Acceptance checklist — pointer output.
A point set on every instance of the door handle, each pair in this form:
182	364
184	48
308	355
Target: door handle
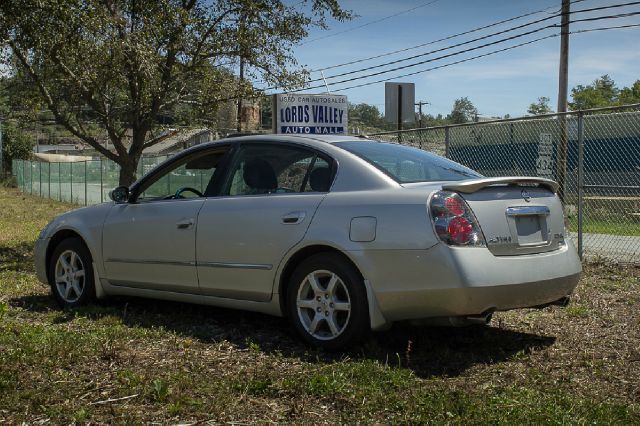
293	218
184	223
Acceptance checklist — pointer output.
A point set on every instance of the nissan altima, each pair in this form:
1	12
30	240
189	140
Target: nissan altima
341	235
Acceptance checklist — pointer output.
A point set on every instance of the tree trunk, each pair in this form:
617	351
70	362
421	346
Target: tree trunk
129	165
128	172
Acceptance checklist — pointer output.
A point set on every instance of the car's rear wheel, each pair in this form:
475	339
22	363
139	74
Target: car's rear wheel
71	274
327	302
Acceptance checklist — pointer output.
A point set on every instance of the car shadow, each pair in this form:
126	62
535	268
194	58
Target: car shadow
427	351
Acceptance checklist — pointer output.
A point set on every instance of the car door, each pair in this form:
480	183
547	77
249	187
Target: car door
263	210
149	242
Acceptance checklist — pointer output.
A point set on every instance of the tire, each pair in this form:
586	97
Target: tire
71	274
328	318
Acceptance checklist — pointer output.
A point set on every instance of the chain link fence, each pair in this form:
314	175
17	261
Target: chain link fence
594	154
81	182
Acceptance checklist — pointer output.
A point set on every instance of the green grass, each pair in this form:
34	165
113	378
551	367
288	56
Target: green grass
613	227
137	361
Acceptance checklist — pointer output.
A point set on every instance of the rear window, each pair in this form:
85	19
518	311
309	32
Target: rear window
406	164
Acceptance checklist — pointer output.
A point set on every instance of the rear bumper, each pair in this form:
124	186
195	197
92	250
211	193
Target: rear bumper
445	281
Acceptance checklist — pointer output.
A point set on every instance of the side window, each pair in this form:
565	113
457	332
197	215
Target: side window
187	176
272	169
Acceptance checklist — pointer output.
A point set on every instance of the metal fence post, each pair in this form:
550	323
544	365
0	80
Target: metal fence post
30	177
40	177
446	142
580	182
85	183
101	179
49	179
71	181
60	181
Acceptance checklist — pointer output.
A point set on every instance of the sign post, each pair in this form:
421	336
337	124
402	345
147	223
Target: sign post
544	162
301	113
399	103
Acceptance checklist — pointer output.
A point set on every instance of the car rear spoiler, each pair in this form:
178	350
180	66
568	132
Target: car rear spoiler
473	185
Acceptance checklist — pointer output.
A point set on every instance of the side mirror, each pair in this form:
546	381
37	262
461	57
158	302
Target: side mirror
120	194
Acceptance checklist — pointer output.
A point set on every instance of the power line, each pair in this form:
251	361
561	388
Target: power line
461	51
370	22
484	55
454	63
442	39
460	44
438	40
473	41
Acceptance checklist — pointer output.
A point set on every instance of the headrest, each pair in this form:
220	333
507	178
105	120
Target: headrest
320	179
258	174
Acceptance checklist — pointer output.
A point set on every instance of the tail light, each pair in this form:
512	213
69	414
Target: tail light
453	220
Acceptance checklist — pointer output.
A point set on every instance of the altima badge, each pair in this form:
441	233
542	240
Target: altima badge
526	196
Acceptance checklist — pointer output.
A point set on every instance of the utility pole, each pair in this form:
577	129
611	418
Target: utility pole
563	76
419	104
399	109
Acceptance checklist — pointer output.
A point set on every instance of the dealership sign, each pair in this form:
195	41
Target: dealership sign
301	113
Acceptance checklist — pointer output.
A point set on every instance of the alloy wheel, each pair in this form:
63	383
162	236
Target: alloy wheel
323	304
69	276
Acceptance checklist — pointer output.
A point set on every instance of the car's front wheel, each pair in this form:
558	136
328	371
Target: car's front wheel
71	274
327	302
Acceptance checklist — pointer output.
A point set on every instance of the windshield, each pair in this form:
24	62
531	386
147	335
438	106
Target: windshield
406	164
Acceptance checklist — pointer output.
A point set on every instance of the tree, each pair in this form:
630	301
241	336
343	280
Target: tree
463	111
630	95
601	93
124	62
16	145
366	115
540	107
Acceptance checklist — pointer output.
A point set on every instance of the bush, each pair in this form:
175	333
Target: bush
16	145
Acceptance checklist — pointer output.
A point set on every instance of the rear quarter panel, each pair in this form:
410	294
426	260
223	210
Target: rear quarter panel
402	221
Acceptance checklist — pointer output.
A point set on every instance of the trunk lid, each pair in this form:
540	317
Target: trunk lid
517	215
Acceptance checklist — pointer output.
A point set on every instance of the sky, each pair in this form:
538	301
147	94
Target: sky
503	83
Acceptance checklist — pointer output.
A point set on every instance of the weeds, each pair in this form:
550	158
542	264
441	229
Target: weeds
142	361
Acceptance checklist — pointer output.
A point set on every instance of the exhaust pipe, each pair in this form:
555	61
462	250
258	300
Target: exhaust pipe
479	319
462	321
482	319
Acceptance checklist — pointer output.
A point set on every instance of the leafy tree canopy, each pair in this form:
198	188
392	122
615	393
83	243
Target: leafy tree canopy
540	107
125	62
463	111
603	92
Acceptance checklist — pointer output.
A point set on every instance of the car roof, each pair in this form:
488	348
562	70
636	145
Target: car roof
308	139
317	141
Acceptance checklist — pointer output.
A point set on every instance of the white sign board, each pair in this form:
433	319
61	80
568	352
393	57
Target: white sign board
544	162
301	113
400	96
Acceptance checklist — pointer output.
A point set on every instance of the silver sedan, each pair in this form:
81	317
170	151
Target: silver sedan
341	235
